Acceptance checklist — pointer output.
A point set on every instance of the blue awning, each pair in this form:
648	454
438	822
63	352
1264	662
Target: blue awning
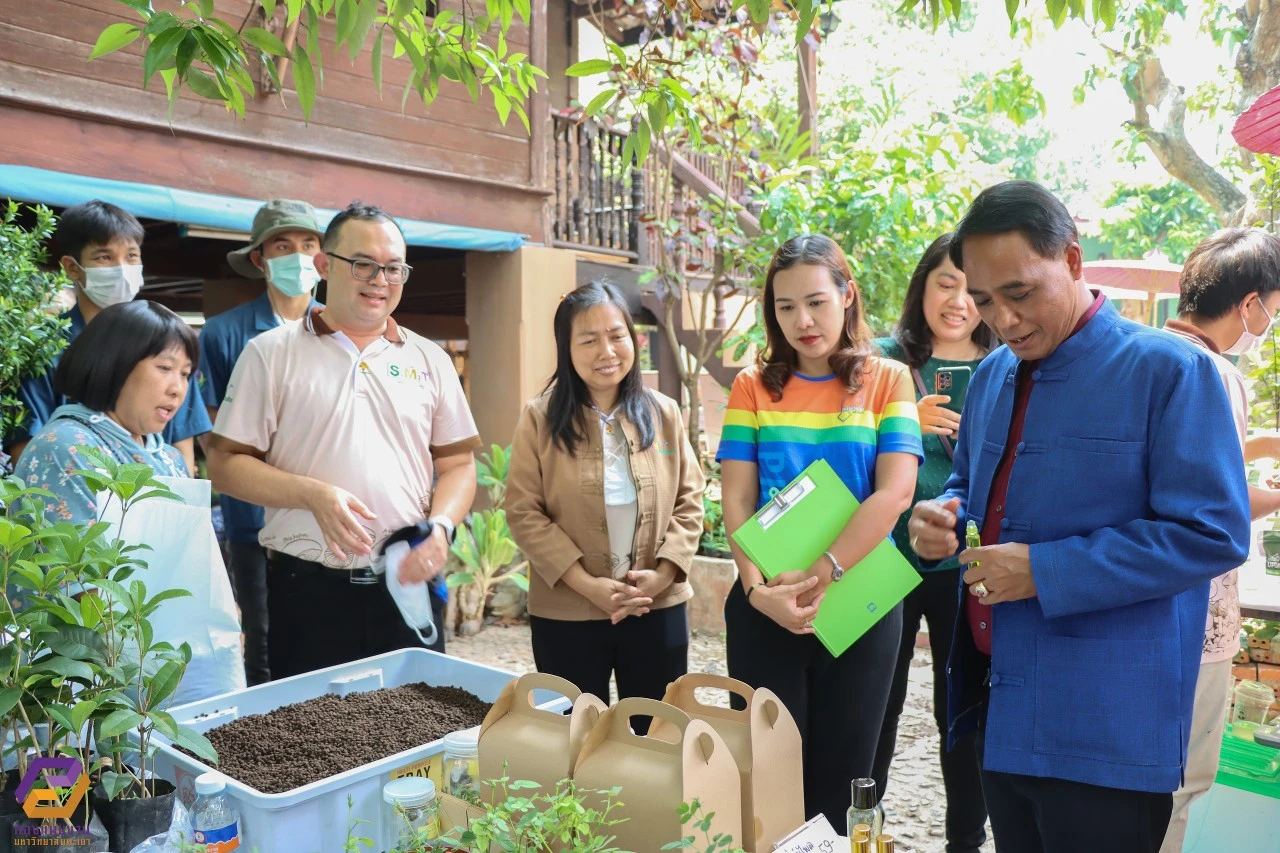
151	201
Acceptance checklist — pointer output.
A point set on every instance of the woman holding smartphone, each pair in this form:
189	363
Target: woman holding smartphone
604	497
817	392
942	340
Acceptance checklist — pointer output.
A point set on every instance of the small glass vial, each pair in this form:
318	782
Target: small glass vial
411	815
462	764
884	844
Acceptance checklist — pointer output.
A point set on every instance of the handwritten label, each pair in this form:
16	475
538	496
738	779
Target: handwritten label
816	836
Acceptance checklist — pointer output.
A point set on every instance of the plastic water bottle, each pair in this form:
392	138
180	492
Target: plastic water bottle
216	821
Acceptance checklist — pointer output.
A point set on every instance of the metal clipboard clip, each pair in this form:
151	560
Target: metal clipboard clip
784	501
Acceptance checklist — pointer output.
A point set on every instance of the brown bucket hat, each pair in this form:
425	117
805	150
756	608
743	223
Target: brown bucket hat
274	217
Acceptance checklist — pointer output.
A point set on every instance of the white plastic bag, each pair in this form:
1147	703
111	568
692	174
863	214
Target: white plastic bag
413	599
184	555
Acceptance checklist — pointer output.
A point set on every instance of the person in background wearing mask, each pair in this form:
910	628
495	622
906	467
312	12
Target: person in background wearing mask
102	255
282	249
1230	286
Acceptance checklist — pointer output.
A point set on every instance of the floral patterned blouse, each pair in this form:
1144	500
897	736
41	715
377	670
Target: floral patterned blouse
52	455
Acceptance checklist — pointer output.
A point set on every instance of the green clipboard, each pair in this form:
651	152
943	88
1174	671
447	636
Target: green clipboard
793	530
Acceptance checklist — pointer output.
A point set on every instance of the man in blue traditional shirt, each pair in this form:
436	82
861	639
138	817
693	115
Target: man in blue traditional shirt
282	248
1099	459
102	255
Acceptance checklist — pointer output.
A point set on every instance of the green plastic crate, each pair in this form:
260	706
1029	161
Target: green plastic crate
1249	766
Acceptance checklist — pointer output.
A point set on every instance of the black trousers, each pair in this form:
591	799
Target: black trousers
318	618
1034	815
645	653
249	579
937	600
838	703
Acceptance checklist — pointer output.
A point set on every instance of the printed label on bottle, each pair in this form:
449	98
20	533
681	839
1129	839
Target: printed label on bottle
219	840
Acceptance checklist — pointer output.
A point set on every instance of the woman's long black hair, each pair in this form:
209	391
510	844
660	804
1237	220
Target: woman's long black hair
913	333
570	398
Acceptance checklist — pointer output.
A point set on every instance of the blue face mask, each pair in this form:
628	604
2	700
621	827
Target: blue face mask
293	275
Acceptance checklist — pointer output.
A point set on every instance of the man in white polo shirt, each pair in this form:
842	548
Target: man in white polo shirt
339	425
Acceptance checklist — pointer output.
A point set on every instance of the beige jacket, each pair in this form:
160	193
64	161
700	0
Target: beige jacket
555	507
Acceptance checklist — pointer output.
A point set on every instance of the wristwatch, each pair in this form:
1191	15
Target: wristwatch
450	532
836	571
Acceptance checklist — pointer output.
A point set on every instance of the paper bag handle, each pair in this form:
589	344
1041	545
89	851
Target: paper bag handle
683	688
529	682
638	707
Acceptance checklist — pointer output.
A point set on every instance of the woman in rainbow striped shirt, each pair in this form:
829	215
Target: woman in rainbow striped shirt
817	392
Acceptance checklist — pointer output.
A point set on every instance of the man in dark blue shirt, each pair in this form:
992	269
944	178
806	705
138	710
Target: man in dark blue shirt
102	255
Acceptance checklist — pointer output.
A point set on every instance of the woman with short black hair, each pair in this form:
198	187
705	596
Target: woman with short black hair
125	376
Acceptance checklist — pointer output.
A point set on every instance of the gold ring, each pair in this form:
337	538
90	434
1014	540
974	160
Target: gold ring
980	589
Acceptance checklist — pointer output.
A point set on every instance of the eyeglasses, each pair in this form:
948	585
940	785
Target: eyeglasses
363	269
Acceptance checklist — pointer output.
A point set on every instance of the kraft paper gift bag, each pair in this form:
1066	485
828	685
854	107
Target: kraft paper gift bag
765	743
657	775
534	745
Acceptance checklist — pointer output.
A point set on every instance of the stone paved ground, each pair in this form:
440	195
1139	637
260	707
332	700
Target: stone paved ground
916	804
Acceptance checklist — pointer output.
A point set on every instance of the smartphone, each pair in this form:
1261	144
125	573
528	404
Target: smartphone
954	382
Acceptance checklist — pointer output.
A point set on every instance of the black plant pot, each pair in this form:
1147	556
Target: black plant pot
131	820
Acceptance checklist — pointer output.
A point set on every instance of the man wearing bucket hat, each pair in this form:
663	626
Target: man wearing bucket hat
281	249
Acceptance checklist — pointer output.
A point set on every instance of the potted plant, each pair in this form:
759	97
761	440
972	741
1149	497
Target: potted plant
486	558
1264	418
713	572
81	667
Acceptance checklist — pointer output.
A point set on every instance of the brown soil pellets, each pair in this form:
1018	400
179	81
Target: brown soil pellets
295	745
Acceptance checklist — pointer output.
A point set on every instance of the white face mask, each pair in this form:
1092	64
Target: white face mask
293	275
107	286
1248	340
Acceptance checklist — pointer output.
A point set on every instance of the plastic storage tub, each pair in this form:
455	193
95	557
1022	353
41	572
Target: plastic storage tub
1241	812
315	817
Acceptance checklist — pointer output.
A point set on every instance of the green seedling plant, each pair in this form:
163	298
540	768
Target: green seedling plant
692	816
78	654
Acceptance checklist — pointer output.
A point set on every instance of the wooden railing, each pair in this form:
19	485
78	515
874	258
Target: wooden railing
600	202
598	198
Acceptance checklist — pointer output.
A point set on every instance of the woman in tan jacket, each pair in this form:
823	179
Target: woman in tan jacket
604	497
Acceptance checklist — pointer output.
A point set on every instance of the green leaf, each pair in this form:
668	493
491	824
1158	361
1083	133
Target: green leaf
186	53
458	579
9	697
376	60
193	741
598	102
265	41
160	52
502	104
642	143
587	67
164	683
304	80
759	11
79	643
365	18
1057	10
81	713
65	667
119	722
294	8
206	8
269	6
113	38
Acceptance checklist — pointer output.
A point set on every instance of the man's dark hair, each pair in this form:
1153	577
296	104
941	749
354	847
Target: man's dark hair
1225	268
359	211
96	222
96	364
1022	206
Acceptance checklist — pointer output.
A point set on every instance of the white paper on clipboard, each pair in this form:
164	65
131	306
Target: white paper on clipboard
784	501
